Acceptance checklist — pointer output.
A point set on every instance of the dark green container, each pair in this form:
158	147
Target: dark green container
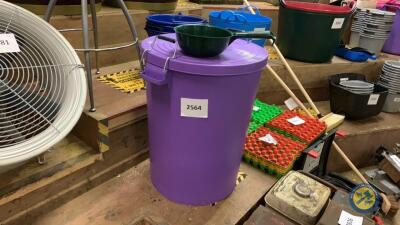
306	31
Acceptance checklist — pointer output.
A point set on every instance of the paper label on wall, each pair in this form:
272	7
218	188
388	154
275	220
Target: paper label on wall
268	139
373	99
396	99
291	104
256	108
196	108
8	43
349	219
337	23
296	120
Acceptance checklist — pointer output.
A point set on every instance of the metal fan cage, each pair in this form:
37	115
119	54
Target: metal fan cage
42	87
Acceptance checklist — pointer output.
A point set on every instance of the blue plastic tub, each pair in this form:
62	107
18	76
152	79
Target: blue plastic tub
160	29
151	32
241	20
173	19
165	23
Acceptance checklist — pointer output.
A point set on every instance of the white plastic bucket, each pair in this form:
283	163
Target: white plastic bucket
392	103
354	39
372	42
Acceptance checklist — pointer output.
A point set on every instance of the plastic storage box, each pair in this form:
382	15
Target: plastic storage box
299	197
355	106
157	24
241	20
262	113
311	32
272	158
307	132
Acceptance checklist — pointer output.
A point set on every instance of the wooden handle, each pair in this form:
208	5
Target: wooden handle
294	77
287	89
386	205
348	161
248	5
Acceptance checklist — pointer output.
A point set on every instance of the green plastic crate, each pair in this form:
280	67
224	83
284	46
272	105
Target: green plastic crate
262	114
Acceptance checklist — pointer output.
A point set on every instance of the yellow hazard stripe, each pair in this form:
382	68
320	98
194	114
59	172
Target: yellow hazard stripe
103	138
127	81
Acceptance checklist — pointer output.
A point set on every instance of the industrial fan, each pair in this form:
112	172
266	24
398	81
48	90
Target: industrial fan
42	86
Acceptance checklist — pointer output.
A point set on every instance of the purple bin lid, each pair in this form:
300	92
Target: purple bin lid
241	57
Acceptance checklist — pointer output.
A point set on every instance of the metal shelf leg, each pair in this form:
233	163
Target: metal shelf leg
132	28
88	66
49	10
95	34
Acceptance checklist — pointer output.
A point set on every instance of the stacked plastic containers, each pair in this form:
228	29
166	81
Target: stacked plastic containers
157	24
241	20
272	158
356	27
390	78
274	144
262	114
376	30
306	132
299	22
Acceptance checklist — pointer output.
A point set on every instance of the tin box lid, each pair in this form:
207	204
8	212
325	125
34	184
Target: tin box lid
241	57
298	196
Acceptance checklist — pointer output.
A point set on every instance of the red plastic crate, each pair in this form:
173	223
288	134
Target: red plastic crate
306	132
279	158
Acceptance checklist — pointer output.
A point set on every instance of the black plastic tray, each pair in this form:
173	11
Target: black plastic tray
354	106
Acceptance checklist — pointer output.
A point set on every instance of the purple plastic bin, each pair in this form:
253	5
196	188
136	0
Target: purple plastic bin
198	113
392	44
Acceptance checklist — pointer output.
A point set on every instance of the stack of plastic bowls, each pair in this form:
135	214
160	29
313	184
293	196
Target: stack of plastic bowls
157	24
376	29
390	78
357	86
356	27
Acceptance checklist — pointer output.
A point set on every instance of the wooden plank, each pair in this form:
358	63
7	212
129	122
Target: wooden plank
114	109
87	129
129	148
69	151
131	196
72	186
34	177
